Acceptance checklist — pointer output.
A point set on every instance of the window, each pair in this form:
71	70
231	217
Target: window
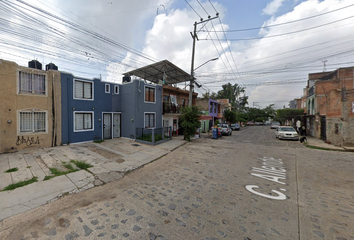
83	121
107	88
149	94
31	83
31	121
149	120
116	89
83	90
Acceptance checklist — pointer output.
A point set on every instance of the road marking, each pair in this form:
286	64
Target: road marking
272	170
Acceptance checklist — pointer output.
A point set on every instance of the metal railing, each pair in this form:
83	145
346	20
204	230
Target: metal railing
153	136
169	108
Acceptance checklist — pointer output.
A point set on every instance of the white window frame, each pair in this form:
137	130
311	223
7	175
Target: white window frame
32	84
154	102
31	114
109	88
154	119
92	90
83	112
116	89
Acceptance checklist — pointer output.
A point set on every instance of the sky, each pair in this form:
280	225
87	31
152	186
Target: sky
267	47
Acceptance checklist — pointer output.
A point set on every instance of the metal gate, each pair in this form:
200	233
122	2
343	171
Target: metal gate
323	128
107	130
116	125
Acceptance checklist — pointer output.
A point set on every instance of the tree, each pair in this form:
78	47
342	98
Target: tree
207	95
230	116
288	114
189	120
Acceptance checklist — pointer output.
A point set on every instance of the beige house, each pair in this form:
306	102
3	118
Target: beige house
30	106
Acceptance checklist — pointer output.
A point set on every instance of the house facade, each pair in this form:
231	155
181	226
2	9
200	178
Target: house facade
174	99
30	106
334	107
328	104
211	112
95	110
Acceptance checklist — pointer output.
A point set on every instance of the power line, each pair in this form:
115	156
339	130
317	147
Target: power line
280	24
288	33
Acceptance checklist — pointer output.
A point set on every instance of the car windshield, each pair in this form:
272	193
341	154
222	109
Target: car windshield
287	129
275	123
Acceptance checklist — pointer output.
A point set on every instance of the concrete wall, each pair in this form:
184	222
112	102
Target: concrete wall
12	102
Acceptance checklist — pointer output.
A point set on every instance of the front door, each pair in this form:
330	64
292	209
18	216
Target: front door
116	125
107	130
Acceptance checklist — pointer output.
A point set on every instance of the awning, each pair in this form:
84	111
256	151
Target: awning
205	117
159	71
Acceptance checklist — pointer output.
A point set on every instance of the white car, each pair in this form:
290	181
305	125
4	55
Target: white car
286	132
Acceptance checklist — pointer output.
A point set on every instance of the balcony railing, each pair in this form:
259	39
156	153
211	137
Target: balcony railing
169	108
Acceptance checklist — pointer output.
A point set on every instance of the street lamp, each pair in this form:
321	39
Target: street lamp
192	80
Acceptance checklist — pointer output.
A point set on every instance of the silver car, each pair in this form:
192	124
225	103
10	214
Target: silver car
286	132
225	129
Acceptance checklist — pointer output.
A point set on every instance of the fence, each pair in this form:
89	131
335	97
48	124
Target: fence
153	136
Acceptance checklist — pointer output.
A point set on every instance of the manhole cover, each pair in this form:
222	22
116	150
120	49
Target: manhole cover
136	145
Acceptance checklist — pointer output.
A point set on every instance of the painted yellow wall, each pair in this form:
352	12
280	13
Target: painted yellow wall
11	102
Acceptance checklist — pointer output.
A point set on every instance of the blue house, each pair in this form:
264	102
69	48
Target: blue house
94	110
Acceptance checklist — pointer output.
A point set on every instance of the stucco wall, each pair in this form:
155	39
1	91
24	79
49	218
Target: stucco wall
134	107
102	102
12	102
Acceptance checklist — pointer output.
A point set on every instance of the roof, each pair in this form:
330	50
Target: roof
155	73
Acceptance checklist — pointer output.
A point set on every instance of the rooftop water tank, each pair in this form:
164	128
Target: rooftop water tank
51	66
35	64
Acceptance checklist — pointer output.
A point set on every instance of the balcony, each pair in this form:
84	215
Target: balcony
169	108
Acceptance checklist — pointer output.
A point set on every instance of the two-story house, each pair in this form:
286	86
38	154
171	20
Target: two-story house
330	104
93	109
30	106
173	98
212	111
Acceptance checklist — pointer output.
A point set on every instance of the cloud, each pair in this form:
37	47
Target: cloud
273	7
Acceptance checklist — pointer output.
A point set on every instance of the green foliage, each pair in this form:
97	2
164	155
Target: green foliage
146	137
216	122
81	164
230	116
20	184
12	170
56	172
189	120
287	114
98	141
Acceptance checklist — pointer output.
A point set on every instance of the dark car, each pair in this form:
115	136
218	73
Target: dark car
235	127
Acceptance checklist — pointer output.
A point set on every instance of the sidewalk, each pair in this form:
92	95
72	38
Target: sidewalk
315	142
111	160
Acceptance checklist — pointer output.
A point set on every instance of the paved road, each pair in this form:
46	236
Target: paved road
246	186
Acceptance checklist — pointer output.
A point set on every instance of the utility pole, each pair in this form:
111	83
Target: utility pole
324	65
194	36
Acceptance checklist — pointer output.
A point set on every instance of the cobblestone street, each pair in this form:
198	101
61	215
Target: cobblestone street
199	192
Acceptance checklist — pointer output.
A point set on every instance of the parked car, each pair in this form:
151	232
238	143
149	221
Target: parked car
286	132
275	125
249	123
225	129
235	127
